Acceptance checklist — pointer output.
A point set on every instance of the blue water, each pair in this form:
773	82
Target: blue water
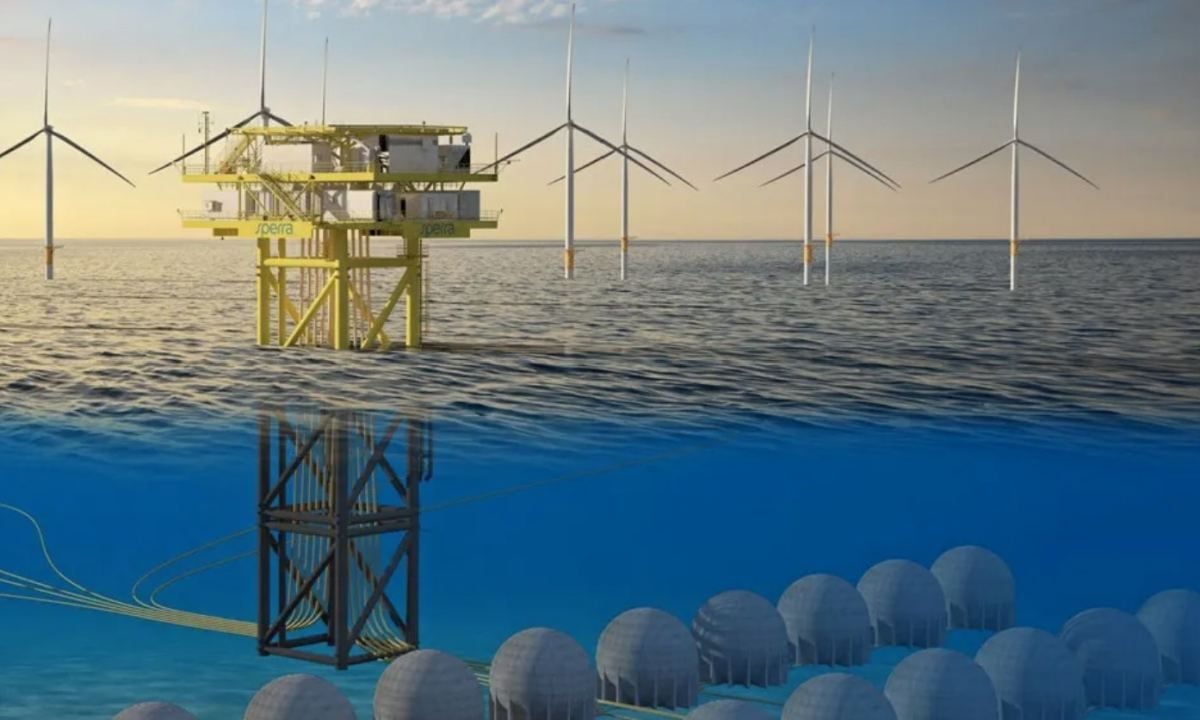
709	425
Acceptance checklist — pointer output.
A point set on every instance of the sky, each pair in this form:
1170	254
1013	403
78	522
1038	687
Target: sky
1111	87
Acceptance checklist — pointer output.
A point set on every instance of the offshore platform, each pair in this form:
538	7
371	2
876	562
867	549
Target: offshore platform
315	197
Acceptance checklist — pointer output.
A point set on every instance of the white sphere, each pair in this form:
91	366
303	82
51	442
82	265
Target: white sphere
979	588
838	696
742	640
940	684
1035	675
299	697
1173	618
906	602
1121	664
428	684
154	711
648	658
827	622
544	674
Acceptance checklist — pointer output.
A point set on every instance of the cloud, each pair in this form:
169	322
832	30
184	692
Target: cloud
160	103
496	12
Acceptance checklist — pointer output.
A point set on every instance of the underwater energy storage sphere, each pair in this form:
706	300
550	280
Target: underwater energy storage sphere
154	711
742	640
827	622
1173	619
838	696
299	697
1121	664
428	684
906	603
1035	675
728	710
648	658
542	674
940	684
979	589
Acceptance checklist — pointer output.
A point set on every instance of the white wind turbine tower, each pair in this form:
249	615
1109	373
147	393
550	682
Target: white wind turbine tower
51	134
571	126
263	113
831	154
807	136
626	150
1016	144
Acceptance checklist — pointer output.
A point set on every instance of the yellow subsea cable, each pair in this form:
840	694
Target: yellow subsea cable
154	611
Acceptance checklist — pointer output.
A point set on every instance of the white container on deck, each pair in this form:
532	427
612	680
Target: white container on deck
409	154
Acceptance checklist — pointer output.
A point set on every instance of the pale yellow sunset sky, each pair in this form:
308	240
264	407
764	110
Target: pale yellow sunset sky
1112	87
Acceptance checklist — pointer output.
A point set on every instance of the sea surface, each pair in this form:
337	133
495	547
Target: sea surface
709	424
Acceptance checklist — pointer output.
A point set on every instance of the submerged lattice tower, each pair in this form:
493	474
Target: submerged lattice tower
154	711
1173	619
838	696
428	684
542	674
940	684
339	500
729	710
1035	675
648	658
299	697
827	622
979	588
742	640
338	213
1121	664
906	603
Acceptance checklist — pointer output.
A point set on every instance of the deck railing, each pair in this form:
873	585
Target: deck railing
248	168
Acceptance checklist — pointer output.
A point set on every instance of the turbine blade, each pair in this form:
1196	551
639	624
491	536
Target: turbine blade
844	151
979	159
610	146
764	156
673	174
22	144
793	171
325	80
262	63
523	148
95	159
866	171
1017	98
46	96
570	63
216	138
1057	162
278	119
583	167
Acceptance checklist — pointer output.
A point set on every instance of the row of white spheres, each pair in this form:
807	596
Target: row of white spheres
646	657
291	697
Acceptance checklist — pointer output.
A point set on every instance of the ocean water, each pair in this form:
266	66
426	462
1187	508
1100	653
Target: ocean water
710	424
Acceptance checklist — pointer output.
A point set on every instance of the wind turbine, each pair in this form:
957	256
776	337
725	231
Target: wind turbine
1016	144
807	136
263	113
48	130
831	154
571	127
626	149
